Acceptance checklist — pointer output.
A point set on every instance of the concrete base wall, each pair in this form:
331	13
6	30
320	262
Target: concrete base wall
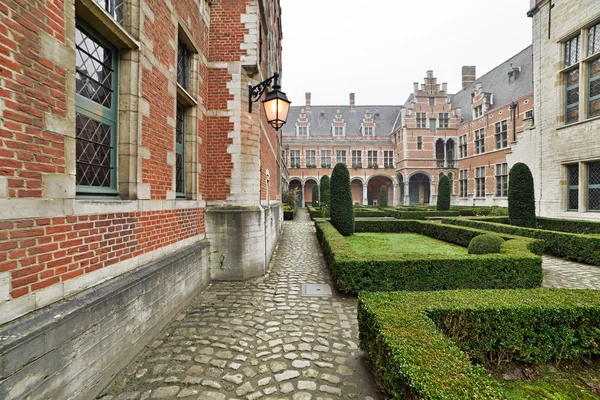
73	348
242	240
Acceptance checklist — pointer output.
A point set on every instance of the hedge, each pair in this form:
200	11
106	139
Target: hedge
341	209
443	198
486	244
383	196
414	340
314	212
515	267
289	215
582	248
568	225
366	213
521	198
422	214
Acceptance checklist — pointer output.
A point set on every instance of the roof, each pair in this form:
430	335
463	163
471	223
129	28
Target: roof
496	82
321	118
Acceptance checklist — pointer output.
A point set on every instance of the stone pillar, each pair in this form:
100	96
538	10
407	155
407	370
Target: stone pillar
365	199
445	155
406	193
303	196
432	196
396	194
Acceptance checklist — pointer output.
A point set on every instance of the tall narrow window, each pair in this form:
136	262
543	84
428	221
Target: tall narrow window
572	80
356	159
573	189
594	40
114	8
183	65
502	180
463	182
325	158
180	152
311	158
480	182
295	159
444	120
594	88
432	101
593	186
421	120
501	135
479	141
372	158
419	142
462	146
478	111
388	159
96	114
572	51
432	128
340	156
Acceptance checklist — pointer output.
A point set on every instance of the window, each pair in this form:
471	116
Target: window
432	125
180	152
479	141
594	40
372	158
96	114
338	131
478	111
311	158
421	120
325	158
501	135
294	158
340	156
463	182
432	101
183	65
594	87
419	142
572	93
501	180
302	130
573	188
480	182
356	158
593	187
114	8
388	159
572	51
444	120
462	146
368	130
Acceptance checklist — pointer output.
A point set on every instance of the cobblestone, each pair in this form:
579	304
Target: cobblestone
259	339
561	273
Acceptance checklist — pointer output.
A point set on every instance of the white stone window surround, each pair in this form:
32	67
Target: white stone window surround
303	130
338	130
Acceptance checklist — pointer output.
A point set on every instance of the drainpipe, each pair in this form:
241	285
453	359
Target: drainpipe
513	107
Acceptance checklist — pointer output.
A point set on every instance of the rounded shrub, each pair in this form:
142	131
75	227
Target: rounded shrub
315	195
324	195
443	198
341	209
521	197
383	196
485	244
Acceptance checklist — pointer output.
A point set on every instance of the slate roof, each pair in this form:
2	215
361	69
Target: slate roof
321	118
496	82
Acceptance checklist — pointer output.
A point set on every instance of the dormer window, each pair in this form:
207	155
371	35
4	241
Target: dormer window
368	131
302	130
478	111
338	131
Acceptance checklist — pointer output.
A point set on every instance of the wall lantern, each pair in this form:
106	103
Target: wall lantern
276	103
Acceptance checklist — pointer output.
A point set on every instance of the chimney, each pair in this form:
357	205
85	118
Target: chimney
469	75
445	87
307	94
416	85
352	102
430	74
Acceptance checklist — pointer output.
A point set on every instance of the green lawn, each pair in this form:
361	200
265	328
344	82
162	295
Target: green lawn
374	244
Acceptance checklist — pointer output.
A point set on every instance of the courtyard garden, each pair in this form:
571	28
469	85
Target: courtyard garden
453	310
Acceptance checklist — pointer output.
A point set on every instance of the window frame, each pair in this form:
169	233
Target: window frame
501	180
97	112
480	182
372	158
463	146
501	134
338	157
295	155
444	120
356	158
336	129
571	187
368	129
180	149
432	125
388	158
421	120
325	155
590	187
463	179
479	141
308	157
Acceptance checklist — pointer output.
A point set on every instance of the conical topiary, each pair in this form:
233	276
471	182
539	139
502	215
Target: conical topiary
443	198
324	195
315	195
342	212
383	196
521	196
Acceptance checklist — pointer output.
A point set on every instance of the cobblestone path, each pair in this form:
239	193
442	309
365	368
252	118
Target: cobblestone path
561	273
258	339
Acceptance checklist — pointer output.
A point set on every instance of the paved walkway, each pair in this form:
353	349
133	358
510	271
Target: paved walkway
263	339
258	339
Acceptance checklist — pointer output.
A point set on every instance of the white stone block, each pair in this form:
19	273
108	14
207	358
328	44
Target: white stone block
4	286
49	295
58	186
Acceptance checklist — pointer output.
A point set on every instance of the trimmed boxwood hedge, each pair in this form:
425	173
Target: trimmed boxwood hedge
485	244
582	248
366	213
414	340
341	209
289	215
568	225
515	267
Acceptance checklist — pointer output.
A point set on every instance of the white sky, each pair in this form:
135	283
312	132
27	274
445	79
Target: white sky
378	48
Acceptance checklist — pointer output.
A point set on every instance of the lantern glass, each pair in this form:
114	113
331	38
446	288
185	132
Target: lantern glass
277	107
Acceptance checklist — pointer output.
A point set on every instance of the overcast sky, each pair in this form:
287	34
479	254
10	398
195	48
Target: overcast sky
378	48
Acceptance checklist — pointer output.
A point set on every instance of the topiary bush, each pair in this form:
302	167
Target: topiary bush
443	198
383	196
315	195
324	195
485	244
341	209
521	197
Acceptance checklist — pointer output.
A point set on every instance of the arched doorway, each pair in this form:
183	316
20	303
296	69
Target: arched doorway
419	189
450	161
295	184
308	189
400	180
357	191
374	187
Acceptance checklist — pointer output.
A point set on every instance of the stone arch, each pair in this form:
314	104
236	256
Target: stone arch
357	185
419	187
440	152
374	185
450	153
309	183
296	183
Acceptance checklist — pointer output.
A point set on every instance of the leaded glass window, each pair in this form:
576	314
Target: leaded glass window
501	180
340	156
419	142
463	182
180	151
480	182
572	51
572	106
183	65
462	146
573	189
96	114
594	40
594	89
421	120
311	156
114	7
479	141
593	192
444	120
